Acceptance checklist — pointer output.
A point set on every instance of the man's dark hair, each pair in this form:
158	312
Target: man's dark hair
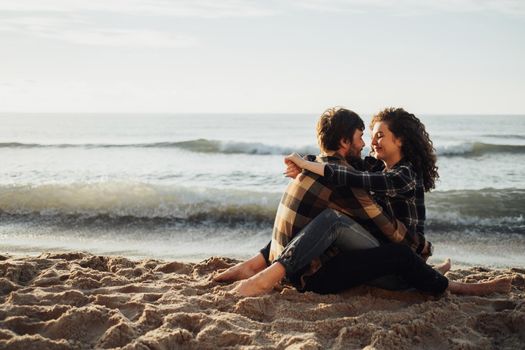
336	124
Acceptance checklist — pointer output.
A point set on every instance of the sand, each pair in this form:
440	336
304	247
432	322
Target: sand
82	301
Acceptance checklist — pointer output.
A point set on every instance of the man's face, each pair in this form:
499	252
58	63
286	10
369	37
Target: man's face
357	144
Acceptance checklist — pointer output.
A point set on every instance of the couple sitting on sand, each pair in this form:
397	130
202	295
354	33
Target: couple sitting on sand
345	221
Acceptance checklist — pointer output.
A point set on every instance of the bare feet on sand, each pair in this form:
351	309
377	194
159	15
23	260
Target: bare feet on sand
242	270
444	267
261	283
500	285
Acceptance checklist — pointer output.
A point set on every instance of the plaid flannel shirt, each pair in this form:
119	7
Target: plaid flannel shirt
398	190
309	194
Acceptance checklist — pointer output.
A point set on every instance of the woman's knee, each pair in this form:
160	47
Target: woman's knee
402	252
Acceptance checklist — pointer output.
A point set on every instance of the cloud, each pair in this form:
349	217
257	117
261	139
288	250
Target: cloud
257	8
116	23
131	23
414	7
82	31
88	96
177	8
125	38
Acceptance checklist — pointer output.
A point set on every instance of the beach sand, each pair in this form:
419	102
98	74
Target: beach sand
83	301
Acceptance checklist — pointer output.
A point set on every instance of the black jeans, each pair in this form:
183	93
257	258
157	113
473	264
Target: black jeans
350	269
332	227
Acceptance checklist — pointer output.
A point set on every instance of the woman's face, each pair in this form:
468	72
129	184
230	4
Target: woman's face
386	146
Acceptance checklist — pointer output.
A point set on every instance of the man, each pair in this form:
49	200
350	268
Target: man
339	135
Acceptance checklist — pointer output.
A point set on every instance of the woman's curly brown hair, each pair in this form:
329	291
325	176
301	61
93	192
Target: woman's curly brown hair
416	144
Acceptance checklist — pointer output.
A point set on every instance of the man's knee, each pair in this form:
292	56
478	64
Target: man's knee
331	215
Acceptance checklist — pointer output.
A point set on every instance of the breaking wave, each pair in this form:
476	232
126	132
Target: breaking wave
200	145
469	149
476	149
126	203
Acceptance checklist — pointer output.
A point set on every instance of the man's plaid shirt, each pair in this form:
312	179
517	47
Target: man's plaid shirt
309	194
398	190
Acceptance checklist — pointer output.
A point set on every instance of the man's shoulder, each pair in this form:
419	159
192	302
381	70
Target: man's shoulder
305	183
321	158
306	192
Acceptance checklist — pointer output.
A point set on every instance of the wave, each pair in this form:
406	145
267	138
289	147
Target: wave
136	202
475	149
468	149
506	136
199	145
485	211
230	147
127	203
484	203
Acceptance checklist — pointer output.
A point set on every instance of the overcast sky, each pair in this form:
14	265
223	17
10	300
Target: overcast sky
430	56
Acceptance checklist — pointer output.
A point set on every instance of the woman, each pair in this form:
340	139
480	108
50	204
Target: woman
404	169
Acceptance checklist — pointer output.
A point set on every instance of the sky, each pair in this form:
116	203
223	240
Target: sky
268	56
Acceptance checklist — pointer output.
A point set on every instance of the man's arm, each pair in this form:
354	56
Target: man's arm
356	202
391	228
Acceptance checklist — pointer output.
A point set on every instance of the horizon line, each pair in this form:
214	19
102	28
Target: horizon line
258	113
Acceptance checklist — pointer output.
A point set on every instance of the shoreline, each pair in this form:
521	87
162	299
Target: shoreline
79	300
437	258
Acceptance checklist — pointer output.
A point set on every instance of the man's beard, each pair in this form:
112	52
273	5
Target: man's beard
352	158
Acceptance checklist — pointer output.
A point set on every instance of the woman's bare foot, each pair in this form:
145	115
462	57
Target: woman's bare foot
444	267
242	270
500	285
261	283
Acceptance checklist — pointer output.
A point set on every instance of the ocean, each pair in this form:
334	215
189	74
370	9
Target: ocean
190	186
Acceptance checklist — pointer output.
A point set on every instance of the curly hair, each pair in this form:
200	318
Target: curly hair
416	144
337	123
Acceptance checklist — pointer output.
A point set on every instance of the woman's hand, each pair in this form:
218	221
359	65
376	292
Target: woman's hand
293	167
294	158
299	162
292	170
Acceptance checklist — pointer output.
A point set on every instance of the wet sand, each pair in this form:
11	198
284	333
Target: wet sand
82	301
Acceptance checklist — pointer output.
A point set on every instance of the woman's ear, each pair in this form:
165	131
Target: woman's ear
398	141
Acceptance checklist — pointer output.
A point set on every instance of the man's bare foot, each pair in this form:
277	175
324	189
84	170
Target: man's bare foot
444	267
500	285
242	270
261	283
238	272
252	287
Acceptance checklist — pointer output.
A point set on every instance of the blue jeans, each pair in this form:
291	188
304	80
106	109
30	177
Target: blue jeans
333	228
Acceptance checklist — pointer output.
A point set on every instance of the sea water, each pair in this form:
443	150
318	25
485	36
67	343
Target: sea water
187	187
